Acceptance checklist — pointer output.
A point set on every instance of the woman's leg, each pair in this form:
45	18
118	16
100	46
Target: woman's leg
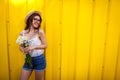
25	74
39	75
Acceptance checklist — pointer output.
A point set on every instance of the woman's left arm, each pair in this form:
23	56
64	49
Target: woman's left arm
43	40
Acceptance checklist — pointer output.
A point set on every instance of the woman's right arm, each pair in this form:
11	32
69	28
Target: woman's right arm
21	49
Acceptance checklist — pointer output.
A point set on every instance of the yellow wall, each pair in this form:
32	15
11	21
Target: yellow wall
83	38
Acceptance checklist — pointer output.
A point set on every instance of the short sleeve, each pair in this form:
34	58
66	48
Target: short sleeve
22	32
41	30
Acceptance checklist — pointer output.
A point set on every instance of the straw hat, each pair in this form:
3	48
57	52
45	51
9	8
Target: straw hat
30	13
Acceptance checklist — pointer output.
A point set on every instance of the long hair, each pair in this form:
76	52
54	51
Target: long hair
30	19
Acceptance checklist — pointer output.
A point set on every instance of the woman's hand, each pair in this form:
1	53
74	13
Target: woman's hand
24	50
27	49
21	49
31	48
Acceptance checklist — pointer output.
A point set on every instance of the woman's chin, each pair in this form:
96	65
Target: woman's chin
36	27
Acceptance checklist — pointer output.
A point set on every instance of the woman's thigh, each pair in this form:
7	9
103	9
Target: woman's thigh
39	75
25	74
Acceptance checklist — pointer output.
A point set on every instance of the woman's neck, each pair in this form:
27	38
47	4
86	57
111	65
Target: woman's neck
32	30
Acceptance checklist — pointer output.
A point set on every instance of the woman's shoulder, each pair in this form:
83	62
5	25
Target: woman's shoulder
22	32
41	32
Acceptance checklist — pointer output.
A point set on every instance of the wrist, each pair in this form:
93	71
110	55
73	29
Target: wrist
34	47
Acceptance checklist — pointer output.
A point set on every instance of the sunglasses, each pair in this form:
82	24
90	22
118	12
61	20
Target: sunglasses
36	19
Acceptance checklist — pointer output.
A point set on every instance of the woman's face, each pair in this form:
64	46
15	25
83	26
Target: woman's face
36	22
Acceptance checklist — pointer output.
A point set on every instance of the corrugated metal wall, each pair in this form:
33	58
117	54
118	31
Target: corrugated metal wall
83	38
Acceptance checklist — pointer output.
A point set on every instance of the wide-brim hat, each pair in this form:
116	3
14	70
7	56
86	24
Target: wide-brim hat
30	13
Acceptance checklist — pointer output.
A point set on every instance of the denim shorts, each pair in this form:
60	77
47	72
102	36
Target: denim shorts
39	63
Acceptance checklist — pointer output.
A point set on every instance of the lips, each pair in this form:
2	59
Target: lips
36	24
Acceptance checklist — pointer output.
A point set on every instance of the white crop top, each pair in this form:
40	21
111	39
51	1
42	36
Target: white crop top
35	41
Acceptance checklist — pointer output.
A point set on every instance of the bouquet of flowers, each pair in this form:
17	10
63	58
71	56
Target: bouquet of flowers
23	42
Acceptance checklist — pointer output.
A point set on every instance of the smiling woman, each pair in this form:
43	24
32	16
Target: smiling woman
35	50
83	38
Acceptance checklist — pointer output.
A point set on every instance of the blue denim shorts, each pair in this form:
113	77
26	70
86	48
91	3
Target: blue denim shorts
39	64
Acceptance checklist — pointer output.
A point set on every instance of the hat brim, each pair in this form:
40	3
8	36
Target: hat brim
30	13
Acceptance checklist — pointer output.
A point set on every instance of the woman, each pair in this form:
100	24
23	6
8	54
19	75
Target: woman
38	43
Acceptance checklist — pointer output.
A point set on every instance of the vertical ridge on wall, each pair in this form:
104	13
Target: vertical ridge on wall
48	74
83	39
61	17
98	39
4	61
117	18
91	39
117	69
106	37
112	42
7	36
76	38
44	24
56	41
68	39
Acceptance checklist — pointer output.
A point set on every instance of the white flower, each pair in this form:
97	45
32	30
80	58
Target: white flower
21	39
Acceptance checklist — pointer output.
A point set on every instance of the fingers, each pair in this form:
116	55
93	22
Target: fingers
31	48
27	49
21	49
24	50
